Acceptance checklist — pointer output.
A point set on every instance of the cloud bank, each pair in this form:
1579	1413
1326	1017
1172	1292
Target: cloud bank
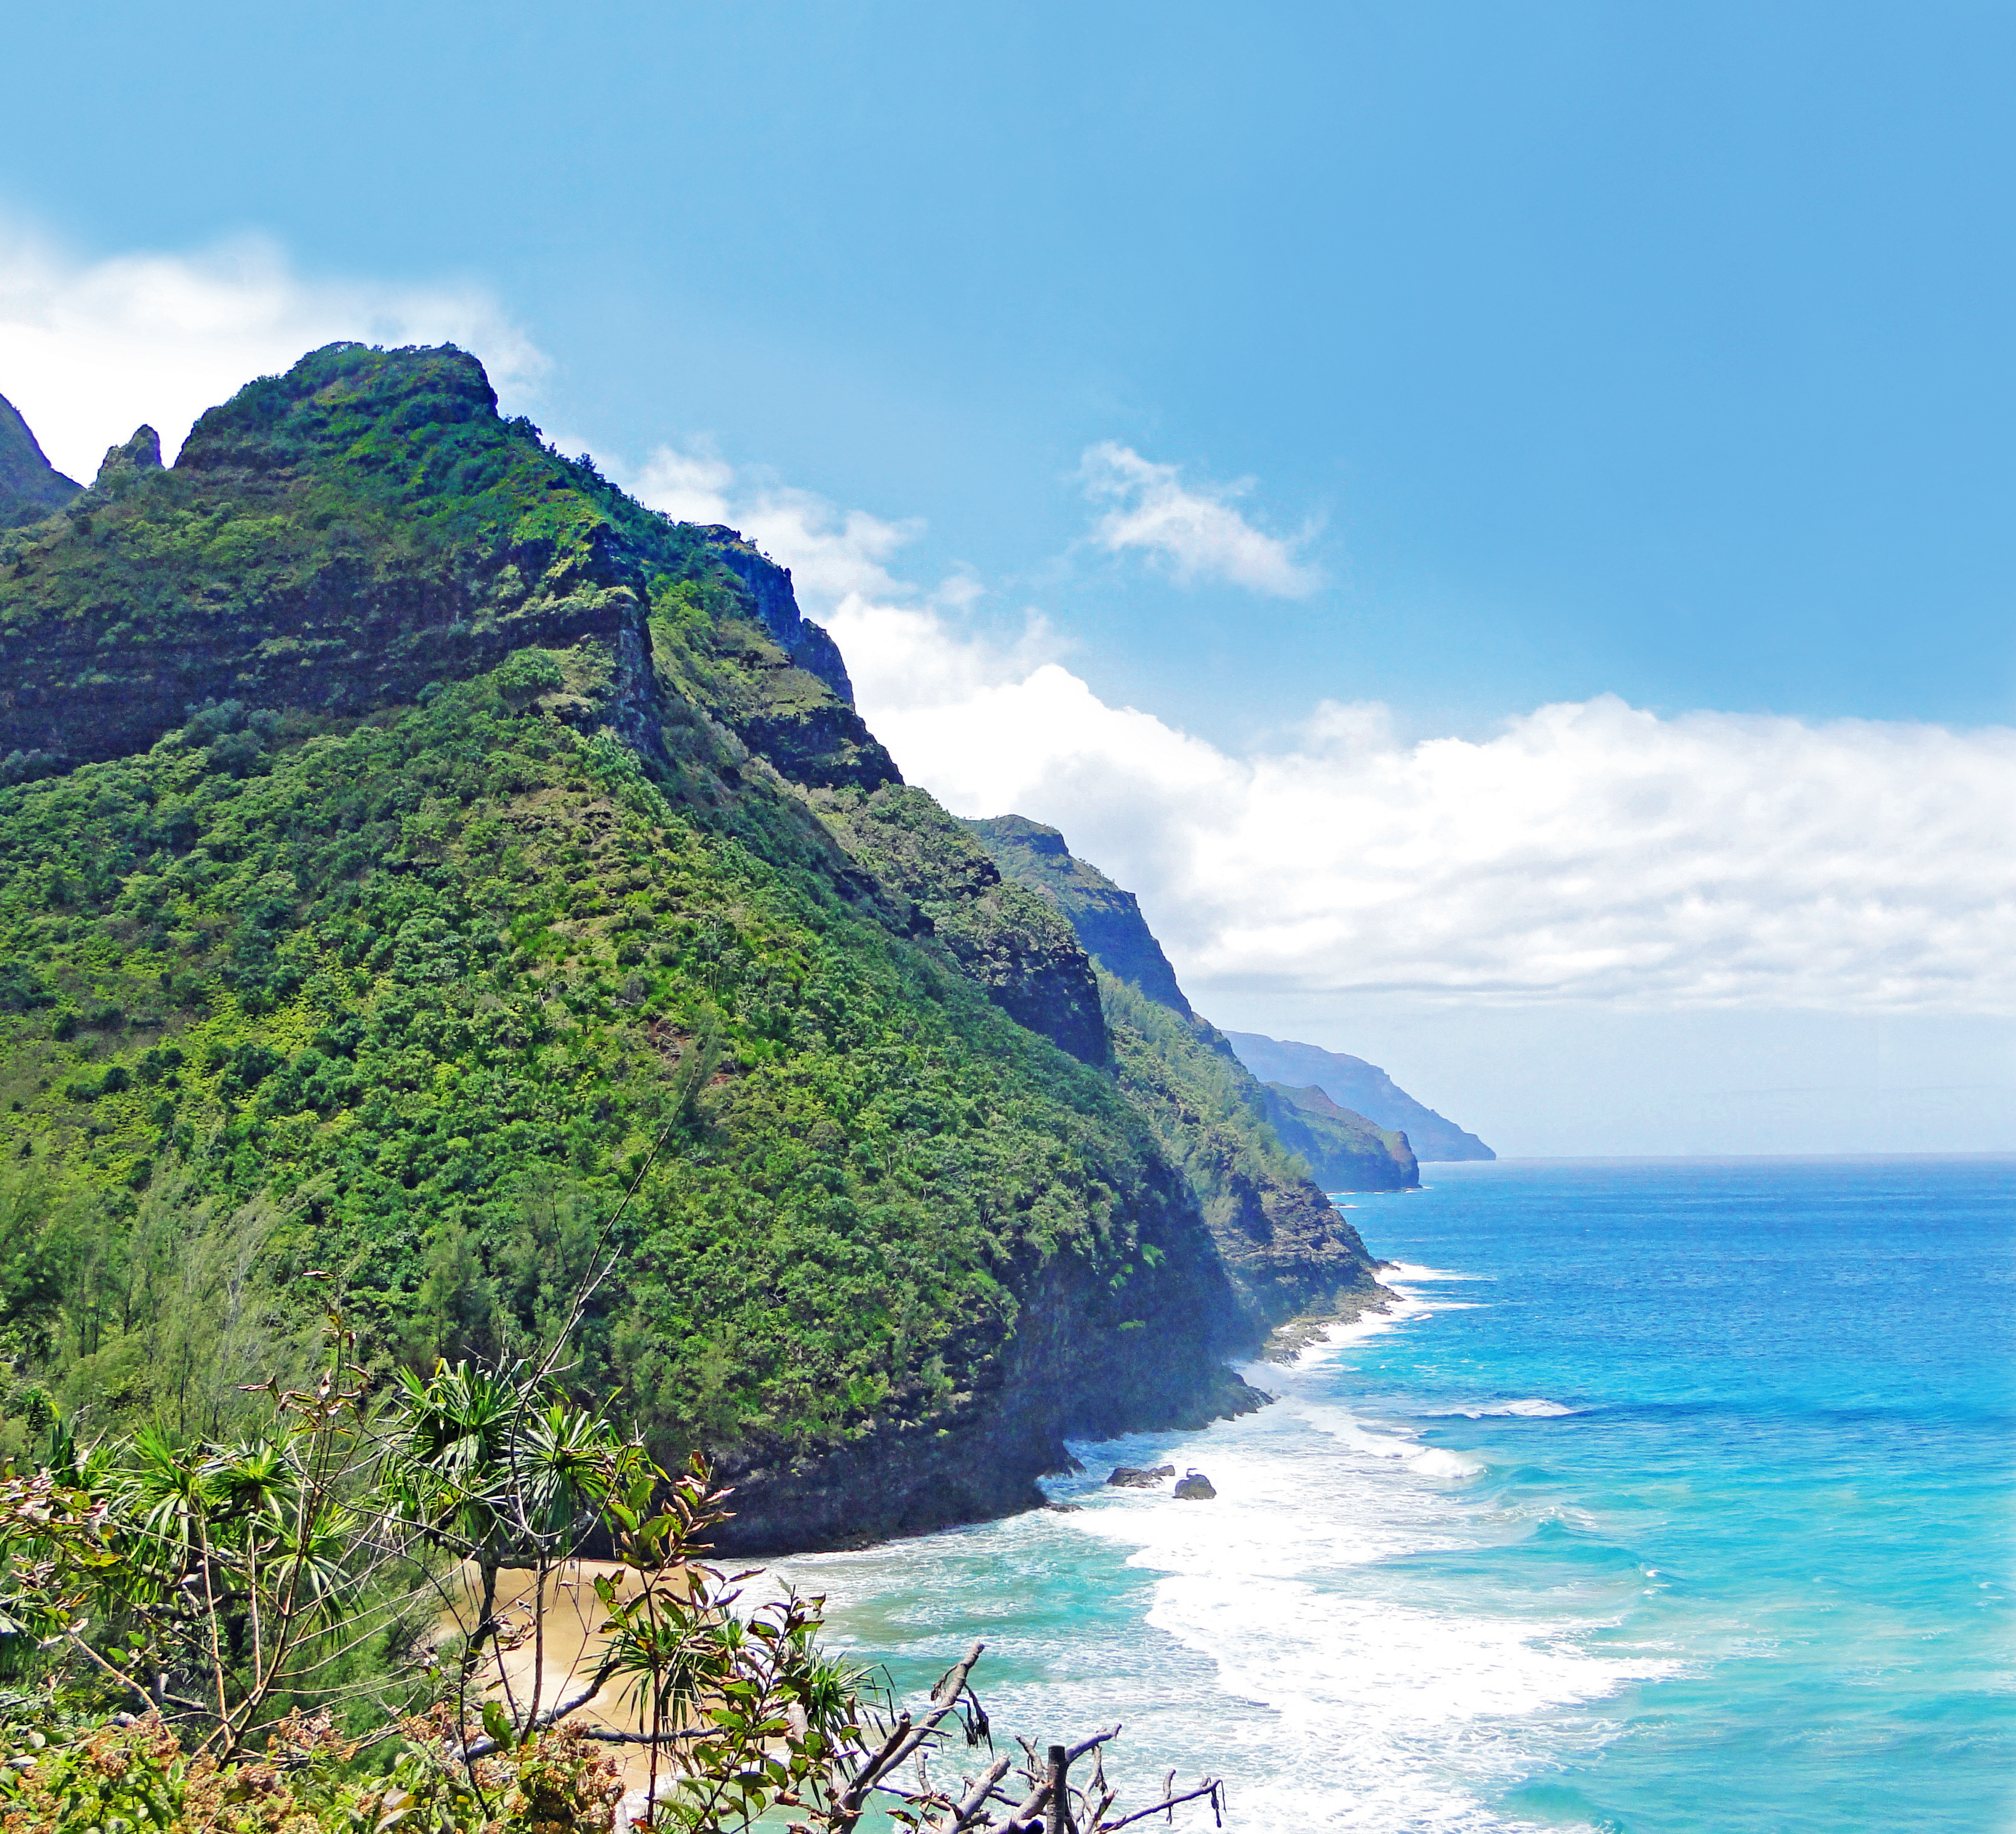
1193	530
89	350
834	554
1588	852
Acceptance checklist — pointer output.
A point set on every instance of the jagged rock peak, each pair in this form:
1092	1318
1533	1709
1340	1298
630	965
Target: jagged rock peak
143	453
808	644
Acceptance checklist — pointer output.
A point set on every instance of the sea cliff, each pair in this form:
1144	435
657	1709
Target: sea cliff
421	864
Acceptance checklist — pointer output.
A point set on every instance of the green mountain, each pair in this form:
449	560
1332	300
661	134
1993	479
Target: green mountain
1343	1150
31	487
1181	1067
431	881
1363	1088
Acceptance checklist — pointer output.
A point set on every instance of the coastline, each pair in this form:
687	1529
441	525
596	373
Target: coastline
1287	1341
988	1469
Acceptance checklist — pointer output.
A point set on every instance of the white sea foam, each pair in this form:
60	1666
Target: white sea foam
1410	1270
1382	1717
1439	1462
1385	1704
1295	1633
1536	1409
1335	1337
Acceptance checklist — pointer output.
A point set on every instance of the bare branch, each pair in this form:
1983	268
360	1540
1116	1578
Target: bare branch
1210	1786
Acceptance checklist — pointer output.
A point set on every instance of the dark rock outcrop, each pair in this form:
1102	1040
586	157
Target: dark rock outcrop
1108	920
808	644
1131	1477
1194	1487
31	487
786	711
982	1460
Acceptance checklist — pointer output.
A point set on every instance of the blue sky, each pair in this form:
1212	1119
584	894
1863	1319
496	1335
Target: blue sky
1551	352
1661	350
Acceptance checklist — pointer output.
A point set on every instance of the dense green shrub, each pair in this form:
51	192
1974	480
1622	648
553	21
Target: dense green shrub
434	989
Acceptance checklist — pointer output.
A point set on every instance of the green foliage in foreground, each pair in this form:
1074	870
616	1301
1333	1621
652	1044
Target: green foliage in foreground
265	1605
413	1000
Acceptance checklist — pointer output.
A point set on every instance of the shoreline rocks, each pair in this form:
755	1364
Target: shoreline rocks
1305	1328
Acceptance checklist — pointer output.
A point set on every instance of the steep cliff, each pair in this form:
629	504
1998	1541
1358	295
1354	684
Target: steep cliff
1363	1088
415	846
1285	1246
1343	1150
31	487
1107	920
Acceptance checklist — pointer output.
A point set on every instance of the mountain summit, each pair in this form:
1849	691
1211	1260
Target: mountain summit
432	882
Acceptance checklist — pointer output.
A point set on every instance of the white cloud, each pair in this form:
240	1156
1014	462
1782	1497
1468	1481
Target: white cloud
832	553
89	350
1196	531
1588	852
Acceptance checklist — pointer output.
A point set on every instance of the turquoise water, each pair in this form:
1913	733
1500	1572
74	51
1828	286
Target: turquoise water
1676	1495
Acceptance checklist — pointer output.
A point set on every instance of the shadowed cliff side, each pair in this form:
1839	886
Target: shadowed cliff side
31	487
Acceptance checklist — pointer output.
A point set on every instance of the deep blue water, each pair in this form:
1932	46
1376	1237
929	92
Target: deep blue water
1678	1496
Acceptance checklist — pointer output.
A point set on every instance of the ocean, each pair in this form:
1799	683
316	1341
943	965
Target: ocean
1676	1495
